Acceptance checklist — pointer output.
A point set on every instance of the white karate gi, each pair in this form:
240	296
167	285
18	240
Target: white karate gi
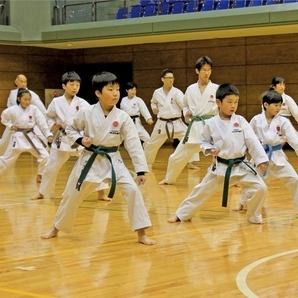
24	118
276	133
59	111
169	106
289	107
234	138
12	101
198	104
110	131
135	107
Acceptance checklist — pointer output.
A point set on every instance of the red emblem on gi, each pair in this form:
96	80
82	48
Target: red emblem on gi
236	124
115	123
211	96
77	108
277	128
283	104
30	117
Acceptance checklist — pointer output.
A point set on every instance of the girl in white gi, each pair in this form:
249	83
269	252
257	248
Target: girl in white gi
228	137
105	127
199	106
21	120
135	107
273	131
60	110
167	104
20	82
289	106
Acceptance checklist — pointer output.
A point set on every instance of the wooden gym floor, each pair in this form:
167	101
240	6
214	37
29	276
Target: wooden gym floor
218	254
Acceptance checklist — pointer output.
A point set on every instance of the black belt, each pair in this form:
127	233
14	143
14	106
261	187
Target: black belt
134	118
230	163
170	120
103	151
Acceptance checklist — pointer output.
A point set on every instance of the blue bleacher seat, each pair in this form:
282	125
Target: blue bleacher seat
239	3
136	11
207	5
149	10
271	2
255	3
145	2
192	6
289	1
178	7
164	8
223	4
122	13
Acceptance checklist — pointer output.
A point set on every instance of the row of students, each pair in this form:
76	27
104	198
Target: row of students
225	93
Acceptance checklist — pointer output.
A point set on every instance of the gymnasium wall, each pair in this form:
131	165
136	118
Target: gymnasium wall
248	62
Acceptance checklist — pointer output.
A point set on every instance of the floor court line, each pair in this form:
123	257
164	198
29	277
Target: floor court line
242	275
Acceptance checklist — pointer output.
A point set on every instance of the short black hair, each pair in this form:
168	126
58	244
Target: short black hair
103	79
70	76
165	71
21	92
225	90
204	60
131	85
271	97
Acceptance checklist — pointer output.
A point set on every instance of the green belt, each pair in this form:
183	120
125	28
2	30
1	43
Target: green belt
230	163
192	120
103	151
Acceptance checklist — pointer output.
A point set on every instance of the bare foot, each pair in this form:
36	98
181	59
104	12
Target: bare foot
191	166
173	219
162	182
38	196
144	239
51	234
102	197
238	208
236	185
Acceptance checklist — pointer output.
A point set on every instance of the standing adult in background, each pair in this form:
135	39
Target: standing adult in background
20	82
199	106
167	104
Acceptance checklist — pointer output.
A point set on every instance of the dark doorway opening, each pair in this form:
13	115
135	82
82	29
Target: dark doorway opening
122	70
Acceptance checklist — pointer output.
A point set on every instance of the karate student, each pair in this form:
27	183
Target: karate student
273	131
60	110
289	106
199	106
21	119
20	82
135	107
105	127
228	137
167	104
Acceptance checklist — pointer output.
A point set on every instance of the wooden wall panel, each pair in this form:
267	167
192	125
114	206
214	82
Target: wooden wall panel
249	63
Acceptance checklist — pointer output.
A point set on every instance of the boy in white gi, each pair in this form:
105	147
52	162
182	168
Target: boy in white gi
273	131
60	110
167	104
21	82
105	127
228	137
21	119
199	106
135	107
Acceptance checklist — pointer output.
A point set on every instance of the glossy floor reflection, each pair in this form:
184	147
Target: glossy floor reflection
218	254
